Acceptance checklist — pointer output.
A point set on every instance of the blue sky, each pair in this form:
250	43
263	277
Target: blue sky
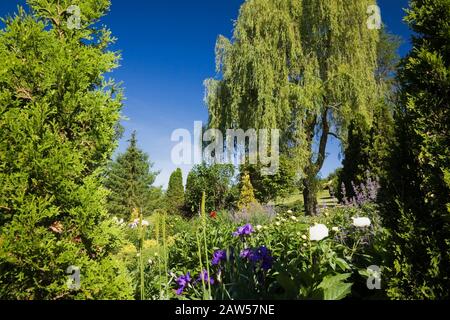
168	51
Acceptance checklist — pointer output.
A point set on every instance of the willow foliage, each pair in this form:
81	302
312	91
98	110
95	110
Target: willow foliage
295	65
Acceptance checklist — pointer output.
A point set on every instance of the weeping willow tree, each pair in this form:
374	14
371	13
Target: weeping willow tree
305	67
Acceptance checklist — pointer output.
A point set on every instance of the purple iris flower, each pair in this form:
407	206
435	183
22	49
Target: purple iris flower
246	253
183	282
204	276
244	231
261	256
267	263
266	258
218	257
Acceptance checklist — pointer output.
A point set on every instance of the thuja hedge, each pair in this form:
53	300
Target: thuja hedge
58	125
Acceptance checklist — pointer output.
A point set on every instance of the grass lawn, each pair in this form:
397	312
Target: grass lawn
296	199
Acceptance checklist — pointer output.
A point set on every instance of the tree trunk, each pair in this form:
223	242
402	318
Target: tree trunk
310	187
310	196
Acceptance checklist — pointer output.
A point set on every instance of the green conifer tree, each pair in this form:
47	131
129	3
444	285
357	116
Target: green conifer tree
417	190
175	192
58	126
247	196
130	181
366	148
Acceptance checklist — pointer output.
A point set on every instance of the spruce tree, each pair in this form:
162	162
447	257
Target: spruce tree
417	189
129	180
58	126
175	192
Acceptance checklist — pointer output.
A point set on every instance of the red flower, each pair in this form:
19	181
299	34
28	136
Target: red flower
213	214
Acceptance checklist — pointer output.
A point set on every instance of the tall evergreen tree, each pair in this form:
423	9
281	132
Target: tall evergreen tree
58	126
305	67
175	192
366	148
247	196
130	179
417	191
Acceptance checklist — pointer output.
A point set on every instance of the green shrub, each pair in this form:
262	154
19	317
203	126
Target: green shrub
175	193
416	195
216	181
247	195
58	125
289	266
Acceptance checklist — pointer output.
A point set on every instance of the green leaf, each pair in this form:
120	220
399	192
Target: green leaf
342	264
287	284
335	287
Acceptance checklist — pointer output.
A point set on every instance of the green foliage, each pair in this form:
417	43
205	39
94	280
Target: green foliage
175	192
416	194
367	151
216	181
288	66
388	59
332	183
272	187
334	268
129	179
366	148
58	123
146	252
335	287
247	196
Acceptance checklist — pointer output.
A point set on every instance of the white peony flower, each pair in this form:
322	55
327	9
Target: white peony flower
318	232
361	222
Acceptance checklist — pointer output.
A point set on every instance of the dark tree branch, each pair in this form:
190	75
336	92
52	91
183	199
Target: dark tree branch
323	140
334	135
